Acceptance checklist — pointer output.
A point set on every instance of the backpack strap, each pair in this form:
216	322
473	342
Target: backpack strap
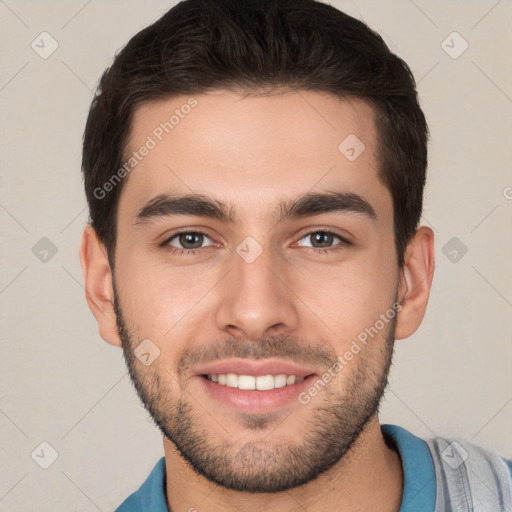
469	478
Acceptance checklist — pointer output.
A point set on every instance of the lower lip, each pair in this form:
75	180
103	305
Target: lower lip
256	401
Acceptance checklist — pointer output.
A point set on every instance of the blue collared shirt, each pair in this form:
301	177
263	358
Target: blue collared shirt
419	493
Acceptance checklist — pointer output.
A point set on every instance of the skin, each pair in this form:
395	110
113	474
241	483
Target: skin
252	153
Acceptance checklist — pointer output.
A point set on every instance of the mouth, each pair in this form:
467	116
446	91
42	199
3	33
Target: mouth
255	387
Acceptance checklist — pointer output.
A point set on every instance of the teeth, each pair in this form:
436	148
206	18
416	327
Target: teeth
250	382
280	381
245	382
265	382
232	380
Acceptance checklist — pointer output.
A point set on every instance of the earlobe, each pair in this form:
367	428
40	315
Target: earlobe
99	291
415	282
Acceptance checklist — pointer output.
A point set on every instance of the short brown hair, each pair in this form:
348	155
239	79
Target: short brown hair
254	45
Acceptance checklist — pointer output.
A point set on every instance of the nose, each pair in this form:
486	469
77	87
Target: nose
256	299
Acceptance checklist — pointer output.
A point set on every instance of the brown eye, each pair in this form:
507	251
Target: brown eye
188	240
323	240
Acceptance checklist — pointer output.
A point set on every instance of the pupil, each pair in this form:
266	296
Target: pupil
191	238
322	238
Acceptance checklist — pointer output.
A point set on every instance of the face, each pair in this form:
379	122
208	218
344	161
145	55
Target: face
255	249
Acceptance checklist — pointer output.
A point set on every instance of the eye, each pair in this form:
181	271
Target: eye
187	241
322	240
190	242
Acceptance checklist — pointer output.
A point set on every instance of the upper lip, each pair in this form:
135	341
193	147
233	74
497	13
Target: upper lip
253	367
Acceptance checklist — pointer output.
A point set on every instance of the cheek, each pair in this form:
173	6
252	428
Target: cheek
159	299
345	299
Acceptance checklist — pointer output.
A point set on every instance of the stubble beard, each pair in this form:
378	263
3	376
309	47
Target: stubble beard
336	421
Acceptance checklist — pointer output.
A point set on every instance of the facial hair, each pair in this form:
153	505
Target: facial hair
335	422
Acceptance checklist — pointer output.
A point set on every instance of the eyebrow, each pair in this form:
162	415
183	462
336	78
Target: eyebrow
166	205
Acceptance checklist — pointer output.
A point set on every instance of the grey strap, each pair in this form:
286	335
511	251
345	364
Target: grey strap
469	478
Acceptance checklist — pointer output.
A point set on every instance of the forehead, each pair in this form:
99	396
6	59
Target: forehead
253	151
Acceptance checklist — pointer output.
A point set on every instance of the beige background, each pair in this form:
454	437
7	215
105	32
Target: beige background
62	384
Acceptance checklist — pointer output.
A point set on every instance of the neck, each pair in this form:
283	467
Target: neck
369	477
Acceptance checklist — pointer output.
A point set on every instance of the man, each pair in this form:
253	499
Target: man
254	172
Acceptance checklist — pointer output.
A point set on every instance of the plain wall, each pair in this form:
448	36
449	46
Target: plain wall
62	384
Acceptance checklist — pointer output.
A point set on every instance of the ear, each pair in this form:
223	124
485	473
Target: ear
415	282
99	291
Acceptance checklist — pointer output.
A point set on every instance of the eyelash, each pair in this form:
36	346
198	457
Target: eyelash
192	252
